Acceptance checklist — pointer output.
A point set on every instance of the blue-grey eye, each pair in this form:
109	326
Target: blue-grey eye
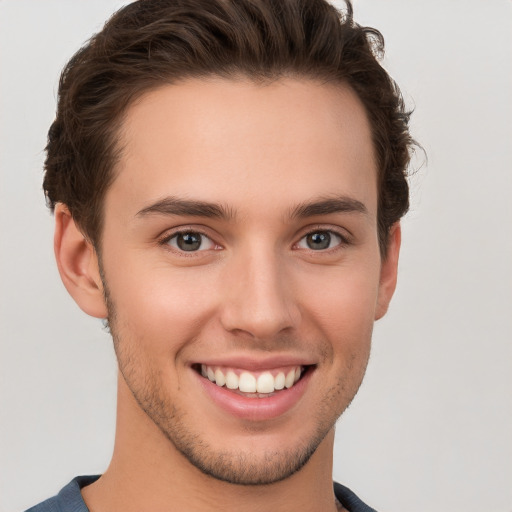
191	241
320	240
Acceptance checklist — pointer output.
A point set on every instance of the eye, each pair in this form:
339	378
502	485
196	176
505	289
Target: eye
320	240
190	241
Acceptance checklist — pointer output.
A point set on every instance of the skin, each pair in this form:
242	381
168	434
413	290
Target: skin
256	288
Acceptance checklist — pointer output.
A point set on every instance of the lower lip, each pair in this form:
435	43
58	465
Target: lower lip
256	409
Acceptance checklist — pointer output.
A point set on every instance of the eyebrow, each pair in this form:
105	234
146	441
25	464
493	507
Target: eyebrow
341	204
194	208
176	206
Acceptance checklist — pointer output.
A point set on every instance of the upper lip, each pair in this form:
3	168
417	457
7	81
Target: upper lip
256	364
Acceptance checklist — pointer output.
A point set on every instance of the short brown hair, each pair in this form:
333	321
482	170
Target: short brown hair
153	42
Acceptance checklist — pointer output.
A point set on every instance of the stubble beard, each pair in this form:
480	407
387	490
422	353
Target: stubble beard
234	467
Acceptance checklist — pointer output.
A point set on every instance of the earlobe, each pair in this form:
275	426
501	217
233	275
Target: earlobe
78	266
388	271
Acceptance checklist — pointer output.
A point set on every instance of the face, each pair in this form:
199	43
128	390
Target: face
241	263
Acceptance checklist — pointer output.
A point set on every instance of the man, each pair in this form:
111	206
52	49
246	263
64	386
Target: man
227	179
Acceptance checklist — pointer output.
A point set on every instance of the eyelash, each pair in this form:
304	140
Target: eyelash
344	240
164	241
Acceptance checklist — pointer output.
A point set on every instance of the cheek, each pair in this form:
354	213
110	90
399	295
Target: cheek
344	301
160	309
342	310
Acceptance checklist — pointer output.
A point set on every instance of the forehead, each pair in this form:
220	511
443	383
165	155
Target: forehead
239	141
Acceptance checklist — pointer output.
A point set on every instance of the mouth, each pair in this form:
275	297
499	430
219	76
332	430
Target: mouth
253	384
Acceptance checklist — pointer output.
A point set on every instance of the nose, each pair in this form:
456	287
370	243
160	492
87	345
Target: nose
259	301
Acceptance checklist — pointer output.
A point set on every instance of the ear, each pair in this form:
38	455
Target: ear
388	271
78	266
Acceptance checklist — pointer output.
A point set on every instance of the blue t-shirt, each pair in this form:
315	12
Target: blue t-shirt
70	499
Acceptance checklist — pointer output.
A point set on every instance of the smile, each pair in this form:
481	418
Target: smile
255	390
255	384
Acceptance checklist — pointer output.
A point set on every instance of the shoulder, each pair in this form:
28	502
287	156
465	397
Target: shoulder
350	500
69	498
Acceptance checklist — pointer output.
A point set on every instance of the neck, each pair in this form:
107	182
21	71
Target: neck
148	473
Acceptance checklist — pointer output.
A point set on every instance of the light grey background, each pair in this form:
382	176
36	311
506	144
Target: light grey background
431	428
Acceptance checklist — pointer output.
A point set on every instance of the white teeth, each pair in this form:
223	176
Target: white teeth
265	383
279	381
220	380
289	379
247	383
231	380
